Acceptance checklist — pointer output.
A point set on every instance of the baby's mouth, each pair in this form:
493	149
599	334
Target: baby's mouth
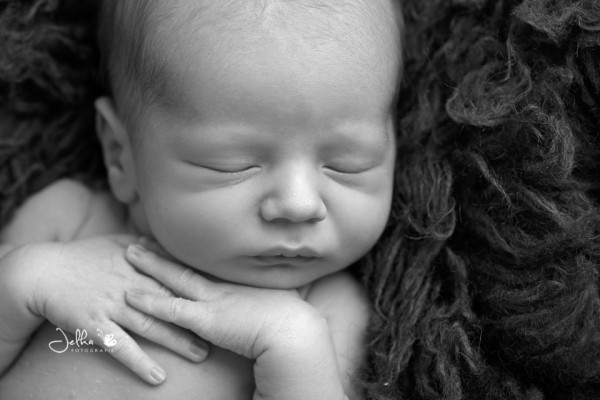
288	255
288	252
284	259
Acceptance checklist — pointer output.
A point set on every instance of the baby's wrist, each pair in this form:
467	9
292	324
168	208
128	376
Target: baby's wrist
300	330
23	270
303	353
19	272
304	338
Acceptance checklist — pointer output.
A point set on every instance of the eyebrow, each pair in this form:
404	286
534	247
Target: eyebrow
238	135
222	133
355	131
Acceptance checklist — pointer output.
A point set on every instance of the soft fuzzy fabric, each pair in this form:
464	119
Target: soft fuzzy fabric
485	284
47	85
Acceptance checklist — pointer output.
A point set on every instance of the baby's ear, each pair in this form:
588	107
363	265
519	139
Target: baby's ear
116	148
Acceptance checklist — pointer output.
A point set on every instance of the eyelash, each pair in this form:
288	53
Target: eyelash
224	171
347	171
336	170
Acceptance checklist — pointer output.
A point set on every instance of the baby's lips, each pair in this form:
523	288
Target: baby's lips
289	251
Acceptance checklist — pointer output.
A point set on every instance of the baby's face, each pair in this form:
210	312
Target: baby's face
267	158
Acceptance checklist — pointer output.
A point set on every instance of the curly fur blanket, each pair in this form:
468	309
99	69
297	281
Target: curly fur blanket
485	284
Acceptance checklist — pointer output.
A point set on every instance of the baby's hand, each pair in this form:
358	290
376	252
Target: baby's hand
288	339
83	287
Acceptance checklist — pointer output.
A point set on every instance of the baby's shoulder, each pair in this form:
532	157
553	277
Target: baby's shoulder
63	211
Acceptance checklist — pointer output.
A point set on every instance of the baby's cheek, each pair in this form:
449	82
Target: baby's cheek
183	236
198	237
362	224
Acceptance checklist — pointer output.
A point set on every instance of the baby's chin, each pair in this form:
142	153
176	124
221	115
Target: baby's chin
282	284
290	282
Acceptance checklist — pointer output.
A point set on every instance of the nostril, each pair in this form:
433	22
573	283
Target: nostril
280	210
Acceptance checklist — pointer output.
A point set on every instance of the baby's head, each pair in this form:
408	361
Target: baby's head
254	140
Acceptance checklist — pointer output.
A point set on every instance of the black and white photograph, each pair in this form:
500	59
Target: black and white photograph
300	199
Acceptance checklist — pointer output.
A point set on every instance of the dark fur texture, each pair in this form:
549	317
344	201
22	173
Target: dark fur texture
47	85
485	284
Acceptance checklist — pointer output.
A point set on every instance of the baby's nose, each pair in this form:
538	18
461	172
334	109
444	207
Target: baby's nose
294	198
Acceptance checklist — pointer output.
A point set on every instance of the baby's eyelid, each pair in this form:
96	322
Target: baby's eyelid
342	170
224	170
230	171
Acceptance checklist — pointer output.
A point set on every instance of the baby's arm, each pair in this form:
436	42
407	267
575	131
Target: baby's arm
344	304
46	273
32	223
17	323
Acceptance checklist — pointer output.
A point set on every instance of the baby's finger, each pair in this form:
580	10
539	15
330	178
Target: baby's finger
181	280
185	313
122	347
235	323
151	285
167	335
152	245
123	239
196	316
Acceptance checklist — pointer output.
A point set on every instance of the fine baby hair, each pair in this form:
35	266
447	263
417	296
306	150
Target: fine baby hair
132	66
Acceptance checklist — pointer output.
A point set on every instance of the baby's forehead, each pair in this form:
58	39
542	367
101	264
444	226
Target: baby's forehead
160	38
258	10
356	20
221	28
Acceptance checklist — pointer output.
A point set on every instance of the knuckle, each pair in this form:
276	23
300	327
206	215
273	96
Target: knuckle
123	345
175	308
109	296
97	316
147	324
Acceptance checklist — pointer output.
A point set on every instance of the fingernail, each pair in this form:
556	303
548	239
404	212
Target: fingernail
147	244
199	348
157	374
136	250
